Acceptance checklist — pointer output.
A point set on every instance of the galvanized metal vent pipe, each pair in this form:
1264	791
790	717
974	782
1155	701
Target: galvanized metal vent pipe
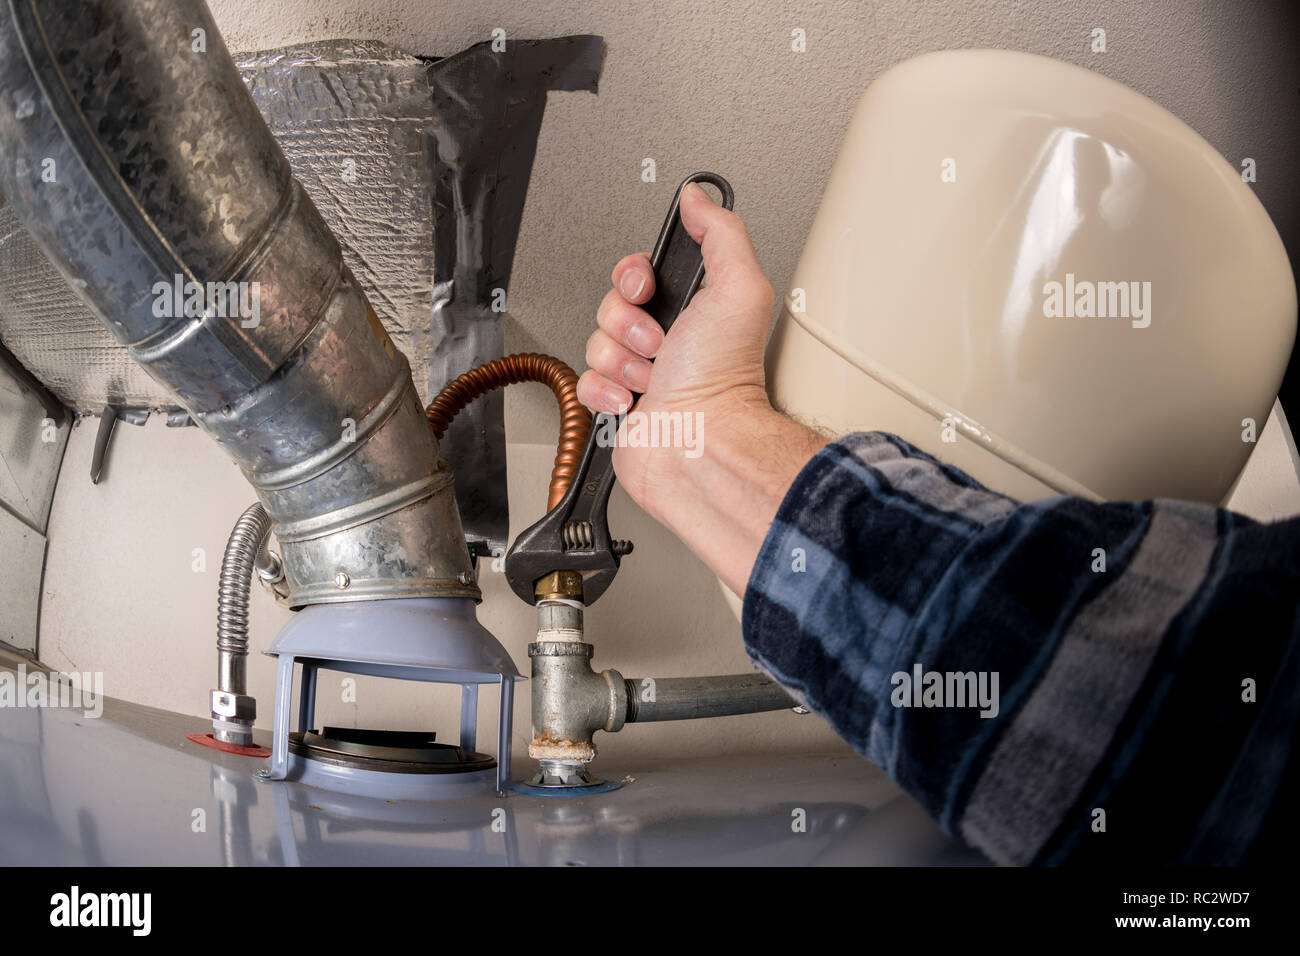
135	155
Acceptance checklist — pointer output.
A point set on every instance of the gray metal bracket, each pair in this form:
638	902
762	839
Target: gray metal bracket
469	681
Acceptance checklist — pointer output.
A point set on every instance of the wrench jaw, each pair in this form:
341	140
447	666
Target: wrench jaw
527	564
574	535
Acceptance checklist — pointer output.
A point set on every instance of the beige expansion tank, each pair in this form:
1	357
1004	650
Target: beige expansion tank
1039	275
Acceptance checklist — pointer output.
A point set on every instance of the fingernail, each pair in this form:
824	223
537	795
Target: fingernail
631	284
697	192
615	398
637	374
645	340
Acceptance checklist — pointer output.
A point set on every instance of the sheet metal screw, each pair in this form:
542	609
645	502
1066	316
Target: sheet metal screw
342	581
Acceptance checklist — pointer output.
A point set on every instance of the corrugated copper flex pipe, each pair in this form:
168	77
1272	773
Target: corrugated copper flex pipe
575	419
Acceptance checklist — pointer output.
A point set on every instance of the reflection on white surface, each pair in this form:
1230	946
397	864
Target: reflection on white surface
1051	214
127	789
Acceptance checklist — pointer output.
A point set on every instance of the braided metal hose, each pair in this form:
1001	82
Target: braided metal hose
575	420
233	710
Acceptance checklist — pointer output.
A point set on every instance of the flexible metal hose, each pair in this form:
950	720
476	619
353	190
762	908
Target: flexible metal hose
575	419
245	544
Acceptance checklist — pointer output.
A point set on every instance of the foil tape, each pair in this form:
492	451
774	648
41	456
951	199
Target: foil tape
488	106
351	117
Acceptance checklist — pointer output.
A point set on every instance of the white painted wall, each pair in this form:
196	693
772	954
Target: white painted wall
693	86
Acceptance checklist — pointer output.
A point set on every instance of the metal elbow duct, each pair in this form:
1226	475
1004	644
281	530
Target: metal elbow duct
133	152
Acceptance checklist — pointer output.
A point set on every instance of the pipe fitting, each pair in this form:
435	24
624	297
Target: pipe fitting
270	571
559	586
559	621
232	717
571	701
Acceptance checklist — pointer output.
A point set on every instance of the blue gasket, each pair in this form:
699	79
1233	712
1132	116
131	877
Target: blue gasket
535	791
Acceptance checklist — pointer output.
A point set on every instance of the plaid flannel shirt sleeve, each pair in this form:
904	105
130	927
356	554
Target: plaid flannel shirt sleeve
1160	687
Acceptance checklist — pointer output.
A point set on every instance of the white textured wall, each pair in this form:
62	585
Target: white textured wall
692	85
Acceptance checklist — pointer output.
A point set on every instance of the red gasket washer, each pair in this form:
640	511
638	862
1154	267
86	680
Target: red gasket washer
207	740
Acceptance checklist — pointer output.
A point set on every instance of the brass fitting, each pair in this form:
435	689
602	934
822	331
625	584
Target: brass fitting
565	585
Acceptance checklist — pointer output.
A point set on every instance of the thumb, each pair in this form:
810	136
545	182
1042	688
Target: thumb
724	242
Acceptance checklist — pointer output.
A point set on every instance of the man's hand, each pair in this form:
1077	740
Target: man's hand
722	502
711	365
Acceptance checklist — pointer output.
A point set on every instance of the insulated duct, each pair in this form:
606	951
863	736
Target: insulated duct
135	155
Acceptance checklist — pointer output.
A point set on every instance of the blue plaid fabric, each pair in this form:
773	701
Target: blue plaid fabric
1147	673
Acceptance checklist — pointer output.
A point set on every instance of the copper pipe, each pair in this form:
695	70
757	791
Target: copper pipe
575	420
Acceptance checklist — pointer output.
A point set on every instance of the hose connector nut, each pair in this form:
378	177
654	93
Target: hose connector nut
565	585
228	706
270	570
